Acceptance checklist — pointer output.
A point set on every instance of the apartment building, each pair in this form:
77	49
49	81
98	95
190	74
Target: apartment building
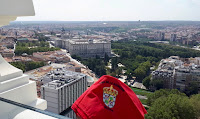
178	72
166	72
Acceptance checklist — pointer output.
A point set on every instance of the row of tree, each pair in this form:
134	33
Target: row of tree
156	51
155	83
20	50
27	66
34	43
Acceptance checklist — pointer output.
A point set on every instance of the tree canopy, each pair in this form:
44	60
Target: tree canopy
171	107
172	104
138	56
95	64
41	47
26	66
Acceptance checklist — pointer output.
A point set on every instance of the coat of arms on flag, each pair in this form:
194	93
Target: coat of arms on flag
109	96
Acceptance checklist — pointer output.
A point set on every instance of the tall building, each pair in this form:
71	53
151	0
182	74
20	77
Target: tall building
173	37
62	92
160	36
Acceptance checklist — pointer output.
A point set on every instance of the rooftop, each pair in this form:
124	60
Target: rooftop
86	41
62	77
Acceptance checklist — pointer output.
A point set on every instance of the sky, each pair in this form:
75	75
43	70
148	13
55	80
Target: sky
114	10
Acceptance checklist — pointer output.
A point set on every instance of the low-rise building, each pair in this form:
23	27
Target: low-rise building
6	52
53	56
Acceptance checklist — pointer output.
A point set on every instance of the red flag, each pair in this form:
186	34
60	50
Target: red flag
109	98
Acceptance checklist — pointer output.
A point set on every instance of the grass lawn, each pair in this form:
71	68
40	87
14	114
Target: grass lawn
143	101
140	91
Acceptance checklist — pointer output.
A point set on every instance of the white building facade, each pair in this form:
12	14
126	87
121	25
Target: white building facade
63	91
15	86
85	48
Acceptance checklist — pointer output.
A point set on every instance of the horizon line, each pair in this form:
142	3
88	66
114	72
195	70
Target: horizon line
109	21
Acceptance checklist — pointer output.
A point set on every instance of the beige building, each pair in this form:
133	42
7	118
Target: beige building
85	48
178	72
53	56
6	52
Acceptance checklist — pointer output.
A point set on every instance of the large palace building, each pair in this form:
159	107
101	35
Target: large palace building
85	48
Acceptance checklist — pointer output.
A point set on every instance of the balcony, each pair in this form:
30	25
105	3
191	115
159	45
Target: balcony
22	111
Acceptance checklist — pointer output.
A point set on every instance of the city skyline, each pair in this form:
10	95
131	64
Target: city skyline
127	10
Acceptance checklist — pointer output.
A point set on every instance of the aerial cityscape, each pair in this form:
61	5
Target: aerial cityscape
71	56
99	59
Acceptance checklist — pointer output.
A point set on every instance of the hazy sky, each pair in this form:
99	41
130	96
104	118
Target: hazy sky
114	10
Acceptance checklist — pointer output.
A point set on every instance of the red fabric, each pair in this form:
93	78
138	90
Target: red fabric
90	105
